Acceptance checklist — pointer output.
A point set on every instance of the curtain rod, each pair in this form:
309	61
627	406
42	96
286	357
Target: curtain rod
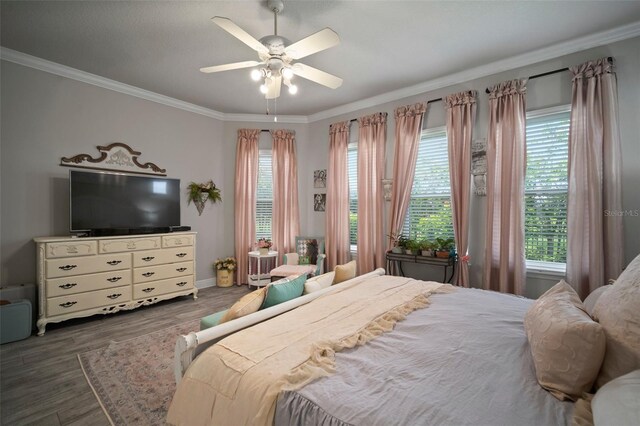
544	74
428	102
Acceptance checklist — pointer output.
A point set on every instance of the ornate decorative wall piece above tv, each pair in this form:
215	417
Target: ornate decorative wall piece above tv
116	157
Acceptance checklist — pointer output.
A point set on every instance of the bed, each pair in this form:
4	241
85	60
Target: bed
375	351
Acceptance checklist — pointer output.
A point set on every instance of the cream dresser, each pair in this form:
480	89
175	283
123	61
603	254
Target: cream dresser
78	277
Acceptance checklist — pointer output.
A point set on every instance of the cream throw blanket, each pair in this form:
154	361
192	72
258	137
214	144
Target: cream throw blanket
237	381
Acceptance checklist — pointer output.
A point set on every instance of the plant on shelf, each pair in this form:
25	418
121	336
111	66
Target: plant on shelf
427	248
444	247
395	241
412	246
200	193
264	244
224	271
402	243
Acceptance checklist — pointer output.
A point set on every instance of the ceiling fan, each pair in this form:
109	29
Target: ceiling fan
277	56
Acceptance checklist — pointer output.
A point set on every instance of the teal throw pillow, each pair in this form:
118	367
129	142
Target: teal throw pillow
284	290
211	320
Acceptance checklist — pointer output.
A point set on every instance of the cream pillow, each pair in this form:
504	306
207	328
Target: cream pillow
618	402
319	282
248	304
592	298
345	272
566	344
618	312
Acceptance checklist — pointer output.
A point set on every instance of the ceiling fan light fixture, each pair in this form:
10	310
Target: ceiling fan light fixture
293	89
287	73
263	89
256	75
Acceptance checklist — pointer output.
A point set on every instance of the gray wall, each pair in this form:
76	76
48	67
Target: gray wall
46	117
541	93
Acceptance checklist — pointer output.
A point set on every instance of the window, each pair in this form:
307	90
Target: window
429	212
546	185
352	169
264	195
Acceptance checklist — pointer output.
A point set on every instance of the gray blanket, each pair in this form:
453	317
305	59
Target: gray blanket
464	360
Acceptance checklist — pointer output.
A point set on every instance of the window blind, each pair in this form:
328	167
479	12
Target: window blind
264	195
352	169
429	212
546	186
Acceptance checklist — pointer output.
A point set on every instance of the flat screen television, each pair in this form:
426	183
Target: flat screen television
115	204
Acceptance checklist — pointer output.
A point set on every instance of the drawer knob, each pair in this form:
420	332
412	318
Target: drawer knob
181	283
148	274
67	286
68	304
114	295
148	258
114	262
181	269
114	279
67	267
148	289
181	254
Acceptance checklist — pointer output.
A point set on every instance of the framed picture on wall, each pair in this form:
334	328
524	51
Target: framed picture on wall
319	202
320	178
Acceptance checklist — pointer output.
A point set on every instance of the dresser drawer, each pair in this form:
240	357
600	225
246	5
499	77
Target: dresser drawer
129	244
82	301
81	283
85	265
155	288
177	240
71	249
161	272
157	257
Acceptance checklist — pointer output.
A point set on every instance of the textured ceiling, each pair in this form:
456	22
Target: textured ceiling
385	45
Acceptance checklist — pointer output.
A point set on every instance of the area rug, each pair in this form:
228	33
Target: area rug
133	379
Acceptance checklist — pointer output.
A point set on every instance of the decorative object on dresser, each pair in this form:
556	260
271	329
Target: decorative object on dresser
116	157
82	277
200	193
224	271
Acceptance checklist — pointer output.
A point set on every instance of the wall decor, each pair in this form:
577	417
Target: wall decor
116	157
387	184
319	202
320	178
200	193
479	166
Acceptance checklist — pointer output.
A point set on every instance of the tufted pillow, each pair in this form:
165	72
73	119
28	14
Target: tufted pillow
284	290
618	311
318	283
248	304
566	344
345	272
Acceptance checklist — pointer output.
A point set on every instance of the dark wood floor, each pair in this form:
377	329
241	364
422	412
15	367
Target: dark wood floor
41	381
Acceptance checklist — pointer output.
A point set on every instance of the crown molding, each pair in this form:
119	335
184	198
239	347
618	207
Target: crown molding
565	48
263	118
106	83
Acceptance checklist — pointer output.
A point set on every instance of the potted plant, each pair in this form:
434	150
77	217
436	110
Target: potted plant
200	193
401	244
444	247
264	244
426	248
412	247
224	271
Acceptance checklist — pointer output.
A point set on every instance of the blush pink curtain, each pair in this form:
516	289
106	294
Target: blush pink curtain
505	267
286	214
408	128
594	222
371	151
337	210
461	117
245	198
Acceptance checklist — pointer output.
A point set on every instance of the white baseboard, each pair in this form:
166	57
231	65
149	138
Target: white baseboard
209	282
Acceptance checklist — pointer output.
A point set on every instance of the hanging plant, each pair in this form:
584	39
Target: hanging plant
199	193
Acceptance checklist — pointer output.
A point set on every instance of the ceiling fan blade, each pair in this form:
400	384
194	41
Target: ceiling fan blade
233	66
273	87
317	76
321	40
227	25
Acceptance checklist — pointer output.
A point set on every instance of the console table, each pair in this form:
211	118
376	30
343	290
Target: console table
78	277
394	263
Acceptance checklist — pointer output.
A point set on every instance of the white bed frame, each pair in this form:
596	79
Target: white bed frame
190	345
